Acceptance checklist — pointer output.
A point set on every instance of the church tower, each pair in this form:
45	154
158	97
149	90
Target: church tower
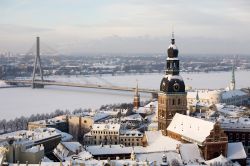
136	98
172	97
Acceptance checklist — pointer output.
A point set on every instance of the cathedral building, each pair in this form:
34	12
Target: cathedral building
172	97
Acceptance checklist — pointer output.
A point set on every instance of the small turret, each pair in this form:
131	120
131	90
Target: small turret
164	161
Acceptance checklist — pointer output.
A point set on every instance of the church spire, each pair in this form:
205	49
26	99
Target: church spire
136	89
232	83
172	64
136	97
197	96
173	40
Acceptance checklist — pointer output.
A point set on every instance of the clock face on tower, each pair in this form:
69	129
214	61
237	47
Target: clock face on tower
172	85
176	87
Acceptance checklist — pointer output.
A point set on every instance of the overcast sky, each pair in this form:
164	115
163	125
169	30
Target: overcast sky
126	26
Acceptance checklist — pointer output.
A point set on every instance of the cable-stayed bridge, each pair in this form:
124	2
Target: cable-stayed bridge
38	80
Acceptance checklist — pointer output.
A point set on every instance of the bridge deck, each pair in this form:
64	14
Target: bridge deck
93	86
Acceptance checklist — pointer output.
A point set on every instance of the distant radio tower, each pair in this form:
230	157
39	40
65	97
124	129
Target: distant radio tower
38	59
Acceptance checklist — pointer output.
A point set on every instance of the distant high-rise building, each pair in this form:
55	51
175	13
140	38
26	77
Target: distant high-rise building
172	97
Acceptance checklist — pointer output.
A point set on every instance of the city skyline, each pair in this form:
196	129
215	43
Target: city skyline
72	27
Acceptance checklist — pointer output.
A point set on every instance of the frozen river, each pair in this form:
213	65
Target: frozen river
15	102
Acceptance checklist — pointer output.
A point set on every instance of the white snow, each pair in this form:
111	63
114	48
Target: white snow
172	58
106	127
190	158
232	93
35	149
191	129
72	146
229	110
203	93
157	156
109	149
159	143
27	138
236	151
148	109
64	136
100	115
172	46
133	117
170	77
3	84
64	149
234	123
221	159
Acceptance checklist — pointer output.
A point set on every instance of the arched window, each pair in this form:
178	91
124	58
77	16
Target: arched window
173	102
179	101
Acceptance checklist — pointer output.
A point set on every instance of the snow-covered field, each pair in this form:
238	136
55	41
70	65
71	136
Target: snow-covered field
15	102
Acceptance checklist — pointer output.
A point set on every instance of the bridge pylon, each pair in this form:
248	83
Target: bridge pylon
37	65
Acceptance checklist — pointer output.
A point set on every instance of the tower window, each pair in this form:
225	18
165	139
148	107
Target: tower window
173	102
179	101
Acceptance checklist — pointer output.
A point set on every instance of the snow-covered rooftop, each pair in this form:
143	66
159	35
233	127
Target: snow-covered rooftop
203	94
191	129
72	146
157	156
233	93
71	151
29	137
209	94
160	143
229	110
100	115
236	150
191	158
106	127
51	121
170	77
240	123
111	149
133	117
35	149
218	160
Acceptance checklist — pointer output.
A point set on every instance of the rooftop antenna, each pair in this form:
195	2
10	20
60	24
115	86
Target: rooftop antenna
172	31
